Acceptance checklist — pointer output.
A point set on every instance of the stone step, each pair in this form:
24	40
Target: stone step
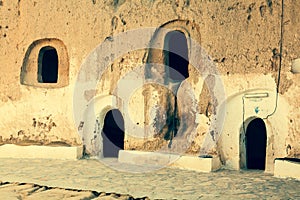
170	160
47	152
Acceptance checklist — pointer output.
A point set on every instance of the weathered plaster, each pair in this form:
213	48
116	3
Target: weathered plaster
241	38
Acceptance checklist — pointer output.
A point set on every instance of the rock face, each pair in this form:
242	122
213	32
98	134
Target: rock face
114	55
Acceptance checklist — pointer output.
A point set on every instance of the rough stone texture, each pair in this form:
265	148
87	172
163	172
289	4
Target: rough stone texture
167	183
33	191
242	39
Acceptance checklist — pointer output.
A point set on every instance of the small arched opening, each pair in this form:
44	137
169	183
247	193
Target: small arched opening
176	55
113	133
255	143
48	65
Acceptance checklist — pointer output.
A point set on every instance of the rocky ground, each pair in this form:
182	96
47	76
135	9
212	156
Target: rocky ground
29	191
93	179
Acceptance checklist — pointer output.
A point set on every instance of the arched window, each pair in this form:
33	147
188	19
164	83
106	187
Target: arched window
176	55
47	65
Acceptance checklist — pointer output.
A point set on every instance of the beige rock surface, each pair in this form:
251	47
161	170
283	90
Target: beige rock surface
27	191
241	38
78	179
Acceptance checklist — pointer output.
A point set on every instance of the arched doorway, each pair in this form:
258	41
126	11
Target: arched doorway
176	55
113	133
256	141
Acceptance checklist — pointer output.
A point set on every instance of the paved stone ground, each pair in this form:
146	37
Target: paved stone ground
77	179
28	191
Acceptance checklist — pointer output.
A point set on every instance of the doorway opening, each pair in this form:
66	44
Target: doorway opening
256	141
113	133
48	65
176	55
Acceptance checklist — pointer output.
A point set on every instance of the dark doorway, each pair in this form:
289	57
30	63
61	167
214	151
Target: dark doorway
176	55
256	140
48	65
113	133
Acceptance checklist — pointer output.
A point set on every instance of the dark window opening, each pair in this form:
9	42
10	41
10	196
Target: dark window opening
256	140
48	65
113	133
176	55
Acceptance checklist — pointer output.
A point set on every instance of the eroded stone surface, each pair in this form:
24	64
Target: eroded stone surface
34	192
85	176
242	40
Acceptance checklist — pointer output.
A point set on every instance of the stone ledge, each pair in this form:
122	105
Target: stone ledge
146	158
48	152
194	163
287	169
197	164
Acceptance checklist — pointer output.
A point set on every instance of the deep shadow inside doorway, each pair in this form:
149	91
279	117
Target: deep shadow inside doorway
256	140
113	133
